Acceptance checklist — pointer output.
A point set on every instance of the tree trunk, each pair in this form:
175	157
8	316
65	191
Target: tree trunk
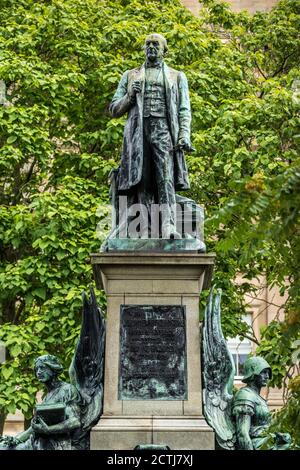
2	421
27	423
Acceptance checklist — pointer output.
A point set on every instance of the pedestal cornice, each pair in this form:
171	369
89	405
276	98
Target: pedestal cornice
108	266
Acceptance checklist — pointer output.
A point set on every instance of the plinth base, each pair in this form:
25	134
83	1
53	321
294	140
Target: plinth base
154	280
177	432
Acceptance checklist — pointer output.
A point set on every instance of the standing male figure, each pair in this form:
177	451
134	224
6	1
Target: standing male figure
157	130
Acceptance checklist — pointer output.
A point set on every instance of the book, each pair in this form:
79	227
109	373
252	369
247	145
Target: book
51	413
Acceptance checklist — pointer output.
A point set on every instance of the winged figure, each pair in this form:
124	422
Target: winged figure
68	410
240	420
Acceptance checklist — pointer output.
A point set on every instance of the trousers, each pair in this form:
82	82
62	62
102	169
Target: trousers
157	183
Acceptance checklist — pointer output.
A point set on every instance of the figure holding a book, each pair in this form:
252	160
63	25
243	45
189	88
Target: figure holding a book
69	410
57	419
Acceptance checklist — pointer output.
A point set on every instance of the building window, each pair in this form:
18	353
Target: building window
240	349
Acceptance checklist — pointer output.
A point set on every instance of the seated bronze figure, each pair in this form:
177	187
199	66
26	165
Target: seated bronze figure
68	410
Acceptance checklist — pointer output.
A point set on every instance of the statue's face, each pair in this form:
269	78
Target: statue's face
263	378
154	48
43	372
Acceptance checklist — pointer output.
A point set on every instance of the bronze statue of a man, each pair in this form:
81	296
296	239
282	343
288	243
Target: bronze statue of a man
157	131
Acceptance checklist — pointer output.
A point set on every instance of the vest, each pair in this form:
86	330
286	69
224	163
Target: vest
154	94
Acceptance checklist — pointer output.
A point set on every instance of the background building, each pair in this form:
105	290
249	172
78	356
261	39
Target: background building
262	308
237	5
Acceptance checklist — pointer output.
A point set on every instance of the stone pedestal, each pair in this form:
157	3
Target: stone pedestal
152	279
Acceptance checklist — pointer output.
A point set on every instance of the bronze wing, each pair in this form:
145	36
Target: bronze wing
87	368
218	374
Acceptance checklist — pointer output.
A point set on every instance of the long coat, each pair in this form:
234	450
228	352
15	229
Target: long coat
179	120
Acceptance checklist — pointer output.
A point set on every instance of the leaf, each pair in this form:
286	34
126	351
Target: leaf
15	350
7	372
40	292
11	139
60	254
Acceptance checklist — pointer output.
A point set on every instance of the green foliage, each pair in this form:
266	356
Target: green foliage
277	348
287	419
61	62
252	143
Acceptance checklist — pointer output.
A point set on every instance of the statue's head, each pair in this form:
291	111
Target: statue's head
257	369
47	367
155	47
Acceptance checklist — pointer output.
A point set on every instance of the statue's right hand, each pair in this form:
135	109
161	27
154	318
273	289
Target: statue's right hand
136	87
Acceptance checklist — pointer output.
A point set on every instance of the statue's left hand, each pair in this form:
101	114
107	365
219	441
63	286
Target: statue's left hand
185	145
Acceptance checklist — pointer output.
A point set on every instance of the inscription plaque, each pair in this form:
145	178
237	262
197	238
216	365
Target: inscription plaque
152	353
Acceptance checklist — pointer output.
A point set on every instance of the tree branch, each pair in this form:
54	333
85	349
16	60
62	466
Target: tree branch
260	70
280	69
